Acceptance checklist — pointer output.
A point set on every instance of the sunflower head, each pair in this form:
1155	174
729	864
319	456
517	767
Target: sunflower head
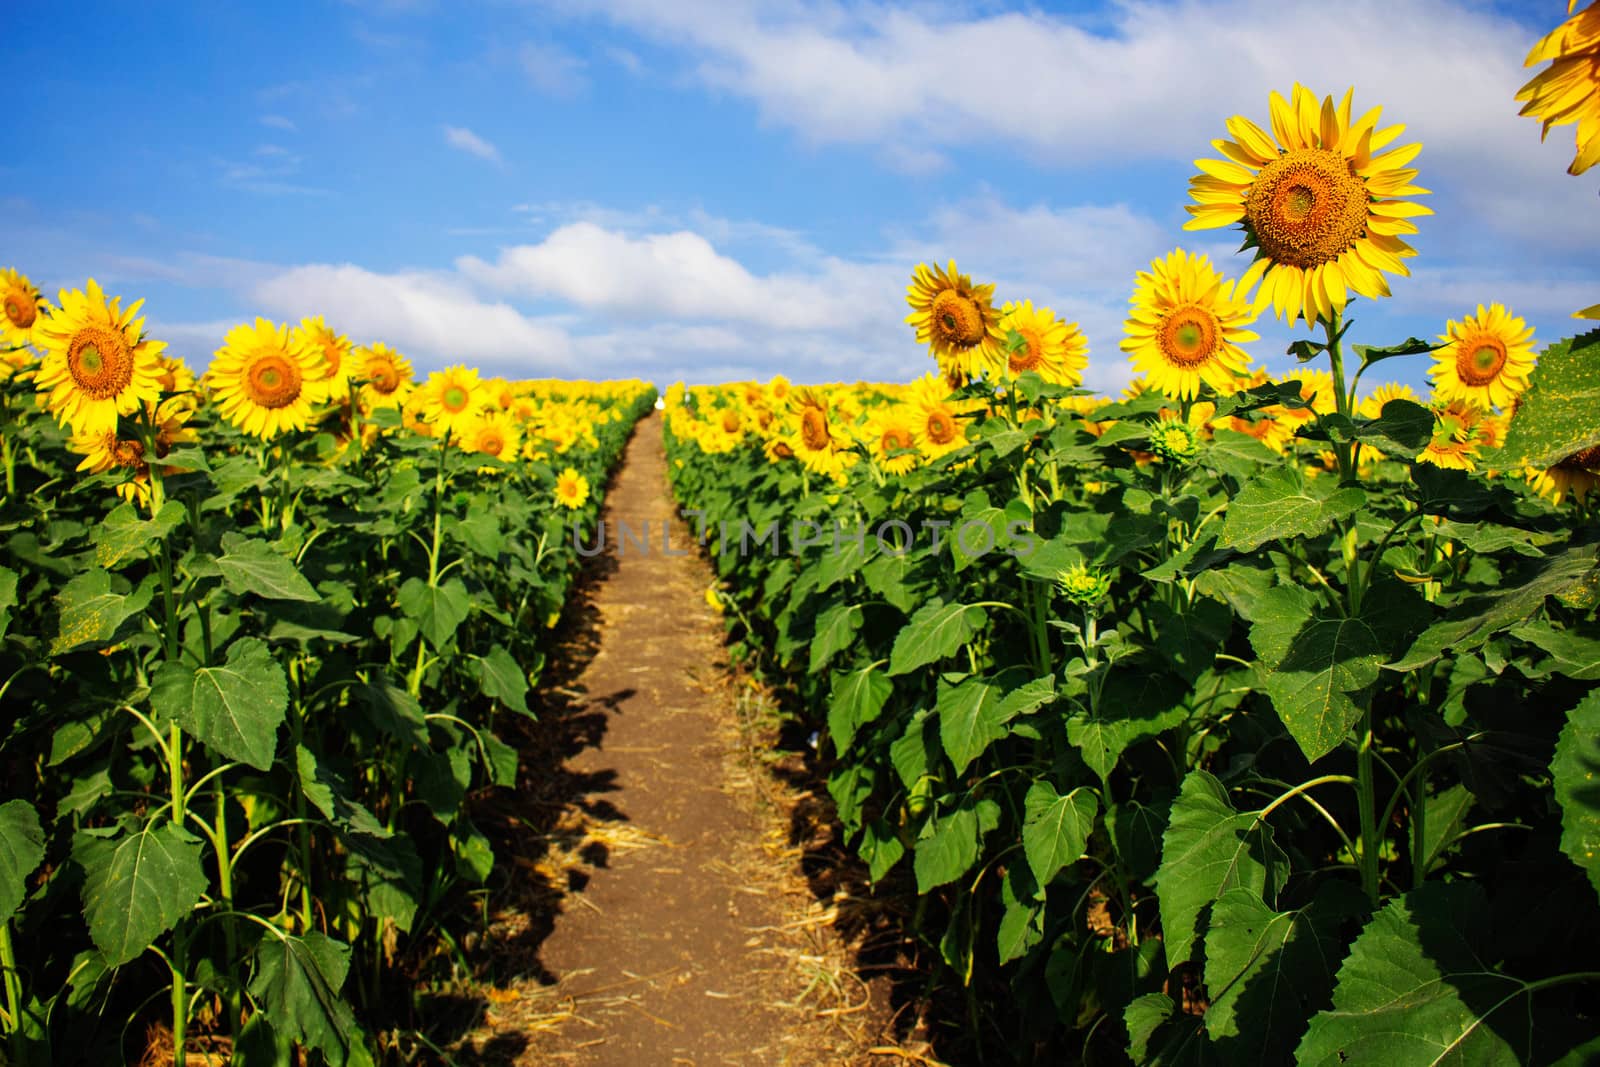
259	378
1569	90
1186	328
1083	586
1324	213
332	378
1175	440
954	318
450	399
97	363
1486	359
385	375
1456	436
572	489
1035	340
21	308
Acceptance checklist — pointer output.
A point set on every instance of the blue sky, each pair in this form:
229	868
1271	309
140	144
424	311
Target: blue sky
716	190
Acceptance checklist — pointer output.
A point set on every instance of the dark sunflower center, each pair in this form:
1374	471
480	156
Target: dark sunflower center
273	381
1478	361
1306	207
385	376
1030	354
957	319
100	362
21	311
814	429
941	427
897	437
1587	460
1188	337
128	454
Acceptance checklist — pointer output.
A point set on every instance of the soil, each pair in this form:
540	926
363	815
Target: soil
672	910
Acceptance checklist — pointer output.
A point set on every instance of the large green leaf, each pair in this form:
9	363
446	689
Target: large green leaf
1268	971
835	632
124	535
1279	504
1135	703
437	610
1560	412
1577	789
1208	849
1315	688
331	794
235	708
1571	653
1190	639
21	850
969	720
948	851
1416	991
251	565
137	887
1480	617
91	613
854	700
501	678
936	631
297	983
1056	828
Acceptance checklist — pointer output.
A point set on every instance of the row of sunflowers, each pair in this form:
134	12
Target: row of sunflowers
1237	719
268	636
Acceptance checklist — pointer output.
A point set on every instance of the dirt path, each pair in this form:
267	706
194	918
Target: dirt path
690	938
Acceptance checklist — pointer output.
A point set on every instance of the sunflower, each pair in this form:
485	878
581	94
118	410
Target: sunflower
1570	90
1485	360
938	428
572	489
332	382
1371	406
891	437
258	379
97	364
954	318
107	450
493	434
22	305
1323	213
1576	477
1035	340
386	375
450	398
816	442
1186	327
1455	436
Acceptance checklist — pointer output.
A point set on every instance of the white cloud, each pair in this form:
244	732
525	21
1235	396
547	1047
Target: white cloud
553	70
279	122
469	142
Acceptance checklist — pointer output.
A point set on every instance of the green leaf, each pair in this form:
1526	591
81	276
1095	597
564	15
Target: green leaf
1402	429
8	597
936	631
969	720
500	678
1571	654
1411	346
1278	505
854	700
123	534
91	613
1027	698
850	786
1314	687
297	983
1208	849
886	576
394	711
1136	828
1022	920
949	851
1268	971
1055	828
1577	789
437	610
251	565
1159	1035
1560	412
1190	639
881	848
1413	990
1236	454
1480	617
138	887
836	631
235	709
330	793
21	851
1135	703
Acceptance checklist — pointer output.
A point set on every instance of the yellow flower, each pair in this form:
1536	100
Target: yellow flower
1186	327
332	381
1574	477
815	442
450	398
1371	406
572	489
493	434
258	379
891	436
21	308
1323	212
386	374
954	318
107	450
1570	90
1455	436
97	364
713	601
939	431
1055	350
1486	359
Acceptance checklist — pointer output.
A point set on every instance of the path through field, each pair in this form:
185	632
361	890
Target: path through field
693	940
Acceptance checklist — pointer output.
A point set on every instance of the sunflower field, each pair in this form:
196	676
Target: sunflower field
262	633
1239	718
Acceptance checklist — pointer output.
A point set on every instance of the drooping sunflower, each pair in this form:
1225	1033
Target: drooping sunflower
1186	327
332	381
386	374
1486	359
572	489
450	399
954	318
258	379
890	435
1570	90
1324	213
1574	477
97	362
1054	349
108	450
21	308
939	429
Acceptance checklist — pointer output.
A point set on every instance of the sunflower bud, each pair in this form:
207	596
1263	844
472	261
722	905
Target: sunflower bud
1082	586
1175	441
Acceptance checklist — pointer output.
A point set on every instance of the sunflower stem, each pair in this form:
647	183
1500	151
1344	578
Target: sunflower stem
1341	393
13	987
1367	800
